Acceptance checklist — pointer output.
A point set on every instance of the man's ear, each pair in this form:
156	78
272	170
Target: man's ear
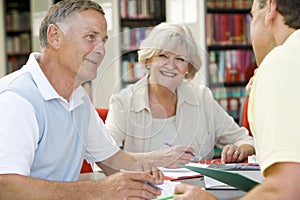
54	36
271	12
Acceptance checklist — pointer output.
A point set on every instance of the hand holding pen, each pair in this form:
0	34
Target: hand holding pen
138	181
172	156
128	185
196	157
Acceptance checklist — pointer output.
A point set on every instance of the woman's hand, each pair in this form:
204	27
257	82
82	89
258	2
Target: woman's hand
171	156
232	153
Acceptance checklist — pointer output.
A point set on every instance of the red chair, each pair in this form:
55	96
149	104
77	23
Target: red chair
244	119
86	167
102	112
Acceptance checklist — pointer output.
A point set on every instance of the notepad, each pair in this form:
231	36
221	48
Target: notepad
231	178
178	173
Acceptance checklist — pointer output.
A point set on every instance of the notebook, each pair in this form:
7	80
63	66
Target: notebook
231	178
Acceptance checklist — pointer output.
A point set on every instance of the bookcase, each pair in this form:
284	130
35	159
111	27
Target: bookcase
231	60
18	33
137	19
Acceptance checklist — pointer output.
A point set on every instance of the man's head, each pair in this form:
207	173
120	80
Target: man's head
59	12
73	36
273	21
290	10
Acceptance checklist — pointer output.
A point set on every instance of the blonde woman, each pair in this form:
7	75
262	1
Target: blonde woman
165	106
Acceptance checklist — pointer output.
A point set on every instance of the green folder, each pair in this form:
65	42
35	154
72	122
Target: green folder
231	178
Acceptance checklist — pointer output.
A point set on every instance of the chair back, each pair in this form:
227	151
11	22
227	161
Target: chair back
86	167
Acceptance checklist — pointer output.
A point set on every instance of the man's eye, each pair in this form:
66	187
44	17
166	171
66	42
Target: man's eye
91	37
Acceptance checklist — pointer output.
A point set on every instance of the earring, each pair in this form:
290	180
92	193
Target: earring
186	74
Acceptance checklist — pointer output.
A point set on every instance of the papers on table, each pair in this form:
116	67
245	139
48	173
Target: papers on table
167	188
221	179
223	176
179	173
211	183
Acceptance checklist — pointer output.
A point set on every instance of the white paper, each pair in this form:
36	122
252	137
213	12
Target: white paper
168	188
178	172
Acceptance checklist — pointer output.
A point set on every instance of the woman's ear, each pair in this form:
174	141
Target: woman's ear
271	12
54	36
147	61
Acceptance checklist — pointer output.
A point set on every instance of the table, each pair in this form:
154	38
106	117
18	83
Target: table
224	194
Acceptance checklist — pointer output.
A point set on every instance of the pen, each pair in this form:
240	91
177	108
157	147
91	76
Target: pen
197	157
166	198
145	182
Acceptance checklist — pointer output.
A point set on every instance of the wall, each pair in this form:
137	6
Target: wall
107	81
38	10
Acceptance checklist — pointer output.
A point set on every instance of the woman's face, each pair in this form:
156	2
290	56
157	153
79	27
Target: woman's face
168	69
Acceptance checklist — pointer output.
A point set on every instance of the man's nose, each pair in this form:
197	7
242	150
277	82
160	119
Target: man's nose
100	48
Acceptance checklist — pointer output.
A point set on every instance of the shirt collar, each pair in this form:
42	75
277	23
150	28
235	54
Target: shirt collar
140	99
293	39
46	89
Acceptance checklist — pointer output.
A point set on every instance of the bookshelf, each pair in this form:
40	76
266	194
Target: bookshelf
231	60
137	19
18	33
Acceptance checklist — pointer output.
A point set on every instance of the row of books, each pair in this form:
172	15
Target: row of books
131	38
227	28
18	44
141	9
230	65
231	99
14	63
17	21
131	71
230	4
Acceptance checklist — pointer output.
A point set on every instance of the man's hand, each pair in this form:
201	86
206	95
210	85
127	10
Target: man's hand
189	192
148	167
127	185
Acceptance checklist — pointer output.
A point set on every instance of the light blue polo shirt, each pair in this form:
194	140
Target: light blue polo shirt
65	136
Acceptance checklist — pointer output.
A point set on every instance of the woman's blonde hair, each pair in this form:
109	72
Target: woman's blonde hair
173	38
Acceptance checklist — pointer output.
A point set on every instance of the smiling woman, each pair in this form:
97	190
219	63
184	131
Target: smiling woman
166	105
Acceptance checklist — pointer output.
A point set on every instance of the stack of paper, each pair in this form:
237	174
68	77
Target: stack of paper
179	173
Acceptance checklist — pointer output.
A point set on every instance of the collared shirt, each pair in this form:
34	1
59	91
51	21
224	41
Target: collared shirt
274	105
20	128
199	122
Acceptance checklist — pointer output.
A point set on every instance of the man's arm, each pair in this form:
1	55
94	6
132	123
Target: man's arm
13	186
281	182
124	160
120	160
116	186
